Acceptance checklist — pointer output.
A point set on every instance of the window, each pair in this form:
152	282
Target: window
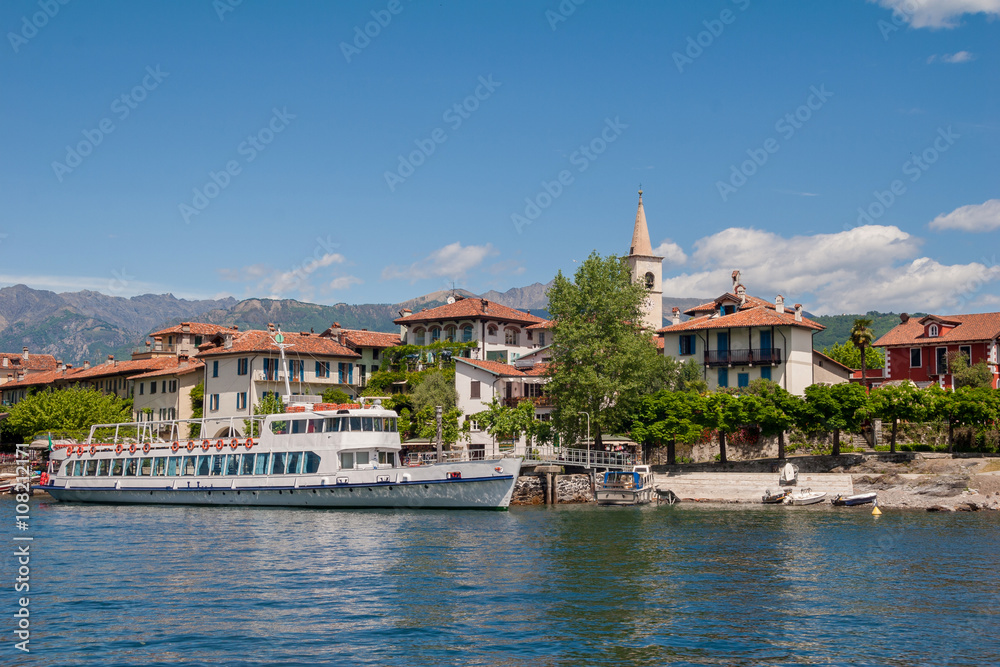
374	357
242	366
418	336
510	336
233	464
247	465
650	280
322	369
164	387
173	386
197	341
103	466
449	333
687	345
333	424
241	401
491	330
467	333
474	390
296	370
146	467
311	463
345	373
294	461
173	466
541	338
932	331
967	351
213	402
915	359
765	373
742	379
387	459
218	464
723	377
361	373
727	309
152	387
270	369
159	466
435	334
142	388
261	466
278	464
347	460
942	360
215	369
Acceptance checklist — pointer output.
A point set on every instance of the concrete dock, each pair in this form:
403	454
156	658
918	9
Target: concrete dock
746	487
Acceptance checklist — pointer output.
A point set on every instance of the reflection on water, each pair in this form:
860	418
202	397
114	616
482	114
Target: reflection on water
571	585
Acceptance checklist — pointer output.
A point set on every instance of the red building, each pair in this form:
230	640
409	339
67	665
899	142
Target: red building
919	350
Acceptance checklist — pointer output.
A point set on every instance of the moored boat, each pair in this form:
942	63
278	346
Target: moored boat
774	498
316	455
633	487
806	497
856	499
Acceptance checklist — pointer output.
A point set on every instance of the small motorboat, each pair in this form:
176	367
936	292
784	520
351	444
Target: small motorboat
626	488
789	474
774	498
856	499
806	497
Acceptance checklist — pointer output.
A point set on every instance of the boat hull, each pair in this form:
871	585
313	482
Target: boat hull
851	501
811	499
624	496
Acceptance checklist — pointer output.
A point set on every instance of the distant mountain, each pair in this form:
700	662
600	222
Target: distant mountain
523	298
838	327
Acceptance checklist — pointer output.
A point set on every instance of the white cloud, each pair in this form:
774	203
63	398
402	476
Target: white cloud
983	217
866	268
345	282
279	283
952	58
938	13
670	252
452	261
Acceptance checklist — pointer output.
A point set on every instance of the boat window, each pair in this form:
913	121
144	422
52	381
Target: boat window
159	466
347	460
311	463
218	464
91	467
332	424
355	423
233	465
247	466
379	424
116	467
260	467
279	428
103	465
131	465
203	465
278	463
146	467
294	461
387	459
366	424
315	426
299	425
173	466
190	464
361	458
392	423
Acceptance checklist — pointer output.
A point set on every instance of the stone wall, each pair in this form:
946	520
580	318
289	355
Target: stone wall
530	489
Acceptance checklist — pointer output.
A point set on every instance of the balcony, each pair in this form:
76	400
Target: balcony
309	378
537	401
768	356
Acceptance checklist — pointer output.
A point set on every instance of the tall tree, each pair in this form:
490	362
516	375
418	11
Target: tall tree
670	417
727	413
70	412
776	412
838	407
895	403
862	338
850	356
968	374
603	360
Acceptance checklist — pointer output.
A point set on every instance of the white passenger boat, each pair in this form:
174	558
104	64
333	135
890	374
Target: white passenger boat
626	488
320	455
806	497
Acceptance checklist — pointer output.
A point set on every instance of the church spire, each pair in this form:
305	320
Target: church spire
640	235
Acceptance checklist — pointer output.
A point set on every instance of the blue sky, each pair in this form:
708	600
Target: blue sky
842	154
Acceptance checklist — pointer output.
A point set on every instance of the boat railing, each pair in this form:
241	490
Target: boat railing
174	430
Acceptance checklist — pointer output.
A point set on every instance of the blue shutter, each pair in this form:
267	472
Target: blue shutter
743	380
765	373
723	377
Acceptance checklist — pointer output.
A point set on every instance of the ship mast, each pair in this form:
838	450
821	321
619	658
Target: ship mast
279	340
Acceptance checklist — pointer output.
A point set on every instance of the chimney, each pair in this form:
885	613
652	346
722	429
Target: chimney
336	333
270	327
228	341
904	318
779	304
111	359
25	353
798	312
86	365
676	315
236	327
61	365
182	357
736	279
186	327
148	345
402	327
486	305
4	362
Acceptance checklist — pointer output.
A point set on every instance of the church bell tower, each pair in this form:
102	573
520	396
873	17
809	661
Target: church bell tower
647	269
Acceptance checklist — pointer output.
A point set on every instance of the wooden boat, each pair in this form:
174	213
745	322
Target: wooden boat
806	497
856	499
774	498
626	488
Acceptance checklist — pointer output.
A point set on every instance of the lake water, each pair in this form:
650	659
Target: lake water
573	585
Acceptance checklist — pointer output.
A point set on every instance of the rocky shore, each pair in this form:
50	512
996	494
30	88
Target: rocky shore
931	482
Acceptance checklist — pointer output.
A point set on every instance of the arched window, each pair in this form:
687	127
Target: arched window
467	333
492	330
435	334
510	336
650	280
418	336
449	333
932	331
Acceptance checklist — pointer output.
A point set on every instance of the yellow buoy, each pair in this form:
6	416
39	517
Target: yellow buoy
876	511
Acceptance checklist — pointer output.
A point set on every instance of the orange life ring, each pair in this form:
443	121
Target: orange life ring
174	447
234	443
205	444
145	448
249	443
81	449
190	446
219	444
93	449
131	448
44	479
118	448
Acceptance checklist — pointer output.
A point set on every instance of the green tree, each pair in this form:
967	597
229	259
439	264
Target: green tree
838	407
504	422
197	408
849	355
727	412
862	338
269	404
603	361
894	403
668	417
69	411
776	412
334	395
967	374
435	389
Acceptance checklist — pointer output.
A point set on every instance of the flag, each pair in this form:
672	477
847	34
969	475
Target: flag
50	442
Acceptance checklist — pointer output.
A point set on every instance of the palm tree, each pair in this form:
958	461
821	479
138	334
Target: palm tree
862	337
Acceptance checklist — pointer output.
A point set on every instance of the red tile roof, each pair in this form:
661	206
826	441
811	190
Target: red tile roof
379	339
43	378
260	341
197	328
729	297
471	309
34	362
758	316
544	324
125	367
971	328
178	368
506	370
870	374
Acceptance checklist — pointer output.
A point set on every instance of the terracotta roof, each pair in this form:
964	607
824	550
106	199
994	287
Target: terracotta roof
260	341
751	302
817	353
45	377
544	324
34	362
371	338
470	309
659	342
640	234
870	374
178	368
125	367
971	328
750	317
506	370
197	328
